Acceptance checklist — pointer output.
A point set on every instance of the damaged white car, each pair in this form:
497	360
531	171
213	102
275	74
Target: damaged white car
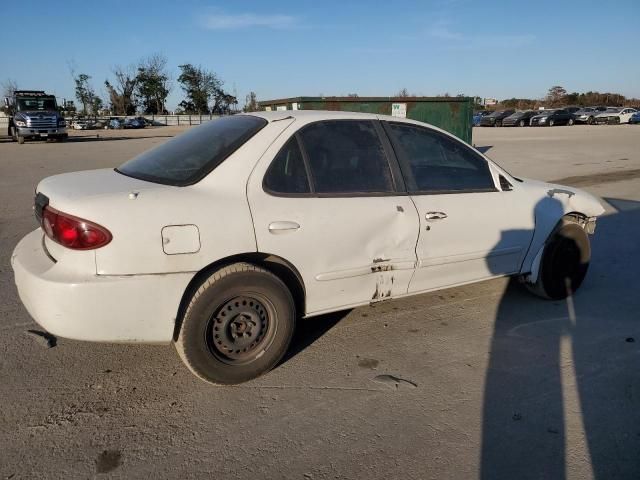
222	238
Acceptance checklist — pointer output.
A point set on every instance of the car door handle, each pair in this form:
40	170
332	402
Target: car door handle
430	216
283	227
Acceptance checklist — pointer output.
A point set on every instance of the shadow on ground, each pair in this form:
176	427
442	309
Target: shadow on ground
561	372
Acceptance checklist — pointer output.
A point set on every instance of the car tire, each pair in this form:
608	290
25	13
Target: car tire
521	123
570	122
238	325
591	120
20	139
564	264
551	122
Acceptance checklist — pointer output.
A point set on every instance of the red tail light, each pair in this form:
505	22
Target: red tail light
73	232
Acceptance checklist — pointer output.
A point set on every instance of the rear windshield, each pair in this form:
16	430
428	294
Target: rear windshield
189	157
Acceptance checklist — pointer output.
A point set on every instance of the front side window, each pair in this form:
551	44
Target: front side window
437	163
189	157
346	156
287	173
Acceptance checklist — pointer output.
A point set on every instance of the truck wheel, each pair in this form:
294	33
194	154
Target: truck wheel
237	326
565	261
20	139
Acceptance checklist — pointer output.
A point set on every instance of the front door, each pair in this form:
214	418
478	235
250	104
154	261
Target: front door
470	227
328	199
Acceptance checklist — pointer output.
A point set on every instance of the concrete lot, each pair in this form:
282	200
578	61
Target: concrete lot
500	384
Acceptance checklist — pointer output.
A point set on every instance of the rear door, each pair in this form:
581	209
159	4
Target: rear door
329	199
471	228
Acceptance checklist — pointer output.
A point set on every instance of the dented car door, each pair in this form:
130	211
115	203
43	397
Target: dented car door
329	200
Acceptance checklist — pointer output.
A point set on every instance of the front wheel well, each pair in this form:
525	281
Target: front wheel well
279	266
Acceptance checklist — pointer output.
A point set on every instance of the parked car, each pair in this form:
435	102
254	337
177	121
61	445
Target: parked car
615	115
222	238
82	124
552	117
586	115
519	119
477	116
495	119
635	118
134	123
572	109
114	124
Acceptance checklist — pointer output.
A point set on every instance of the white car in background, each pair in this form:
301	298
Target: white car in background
615	115
220	239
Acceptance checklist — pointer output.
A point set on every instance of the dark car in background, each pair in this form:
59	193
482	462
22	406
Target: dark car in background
495	119
551	118
519	119
572	109
134	123
587	114
477	116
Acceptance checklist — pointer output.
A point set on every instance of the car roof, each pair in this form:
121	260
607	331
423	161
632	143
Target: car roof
308	116
311	115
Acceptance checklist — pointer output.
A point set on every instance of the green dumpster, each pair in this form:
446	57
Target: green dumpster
453	114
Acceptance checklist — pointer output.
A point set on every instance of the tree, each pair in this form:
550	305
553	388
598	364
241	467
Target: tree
556	95
223	103
352	95
403	93
153	84
8	87
85	94
121	92
251	103
199	86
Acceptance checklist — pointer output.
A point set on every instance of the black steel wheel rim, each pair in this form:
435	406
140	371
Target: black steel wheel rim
241	329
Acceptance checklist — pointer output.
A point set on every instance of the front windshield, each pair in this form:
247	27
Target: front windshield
546	112
613	109
36	103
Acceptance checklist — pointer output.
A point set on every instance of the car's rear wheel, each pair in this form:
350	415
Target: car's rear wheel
591	120
521	123
570	122
238	325
551	122
564	264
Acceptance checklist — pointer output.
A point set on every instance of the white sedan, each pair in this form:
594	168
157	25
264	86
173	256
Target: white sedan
615	115
222	238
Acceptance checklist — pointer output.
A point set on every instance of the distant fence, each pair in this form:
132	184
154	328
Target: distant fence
159	120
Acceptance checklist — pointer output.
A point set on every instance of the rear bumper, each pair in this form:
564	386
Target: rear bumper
85	306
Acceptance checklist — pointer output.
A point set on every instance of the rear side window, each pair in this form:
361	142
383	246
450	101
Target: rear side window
189	157
287	173
437	163
346	156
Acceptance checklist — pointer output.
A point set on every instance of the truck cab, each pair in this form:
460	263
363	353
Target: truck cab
34	114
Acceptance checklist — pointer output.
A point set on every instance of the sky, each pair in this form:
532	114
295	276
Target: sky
495	49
